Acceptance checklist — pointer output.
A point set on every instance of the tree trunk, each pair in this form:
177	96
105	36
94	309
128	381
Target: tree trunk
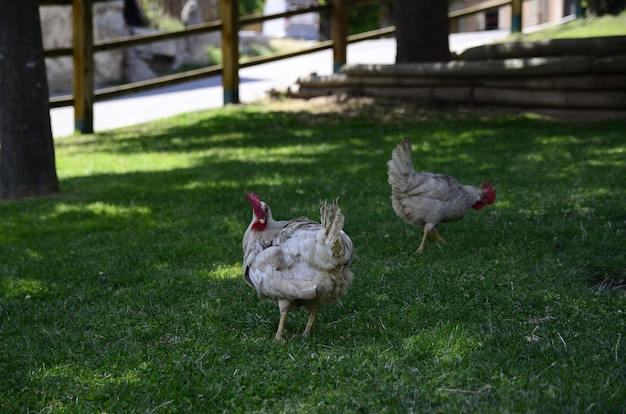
422	29
27	165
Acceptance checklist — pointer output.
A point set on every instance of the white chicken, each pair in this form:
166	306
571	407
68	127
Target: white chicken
297	262
427	199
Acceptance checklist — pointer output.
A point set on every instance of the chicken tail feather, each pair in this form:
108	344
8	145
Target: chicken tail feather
330	236
400	166
332	219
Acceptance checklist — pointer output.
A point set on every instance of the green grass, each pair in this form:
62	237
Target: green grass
124	292
591	26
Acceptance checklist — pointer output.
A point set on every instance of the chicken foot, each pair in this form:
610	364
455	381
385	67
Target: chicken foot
435	234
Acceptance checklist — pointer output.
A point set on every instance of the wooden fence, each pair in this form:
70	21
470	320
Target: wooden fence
83	49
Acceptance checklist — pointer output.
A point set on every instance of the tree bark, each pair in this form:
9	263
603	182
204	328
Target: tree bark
422	29
27	164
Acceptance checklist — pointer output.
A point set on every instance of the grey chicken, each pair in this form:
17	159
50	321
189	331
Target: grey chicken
427	199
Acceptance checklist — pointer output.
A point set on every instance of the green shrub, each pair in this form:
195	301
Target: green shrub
602	7
159	19
215	55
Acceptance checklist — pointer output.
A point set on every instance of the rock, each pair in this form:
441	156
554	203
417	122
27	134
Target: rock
193	49
136	69
249	41
57	33
109	23
56	25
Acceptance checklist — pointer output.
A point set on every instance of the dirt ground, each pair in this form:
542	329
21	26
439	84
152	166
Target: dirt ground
390	108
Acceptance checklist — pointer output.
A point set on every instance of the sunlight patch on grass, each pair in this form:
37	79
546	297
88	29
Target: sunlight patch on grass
503	204
99	209
584	27
231	271
104	163
300	154
537	212
208	184
90	379
603	162
18	288
613	151
592	193
560	140
465	137
535	157
274	180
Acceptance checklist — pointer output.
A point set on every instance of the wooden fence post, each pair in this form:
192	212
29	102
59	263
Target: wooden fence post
82	29
339	34
230	51
516	16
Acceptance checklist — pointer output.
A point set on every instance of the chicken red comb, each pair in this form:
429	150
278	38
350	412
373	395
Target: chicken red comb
490	192
255	202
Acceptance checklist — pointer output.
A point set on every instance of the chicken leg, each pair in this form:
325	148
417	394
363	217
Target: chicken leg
283	306
283	317
281	325
309	324
435	234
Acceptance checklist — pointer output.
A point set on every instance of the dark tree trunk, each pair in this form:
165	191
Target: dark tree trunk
422	29
27	166
133	16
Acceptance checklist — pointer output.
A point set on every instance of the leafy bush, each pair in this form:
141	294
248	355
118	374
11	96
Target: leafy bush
602	7
364	18
159	19
250	7
215	55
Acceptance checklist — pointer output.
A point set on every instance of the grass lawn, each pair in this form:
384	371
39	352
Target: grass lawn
124	292
591	26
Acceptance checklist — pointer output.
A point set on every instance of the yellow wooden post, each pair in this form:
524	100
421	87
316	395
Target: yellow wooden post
82	28
339	33
230	51
516	16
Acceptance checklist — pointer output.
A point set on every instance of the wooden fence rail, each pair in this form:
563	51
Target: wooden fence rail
83	49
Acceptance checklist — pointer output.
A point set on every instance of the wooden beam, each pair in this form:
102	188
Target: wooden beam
339	34
82	28
230	51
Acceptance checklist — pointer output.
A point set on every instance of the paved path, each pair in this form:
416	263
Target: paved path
255	81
